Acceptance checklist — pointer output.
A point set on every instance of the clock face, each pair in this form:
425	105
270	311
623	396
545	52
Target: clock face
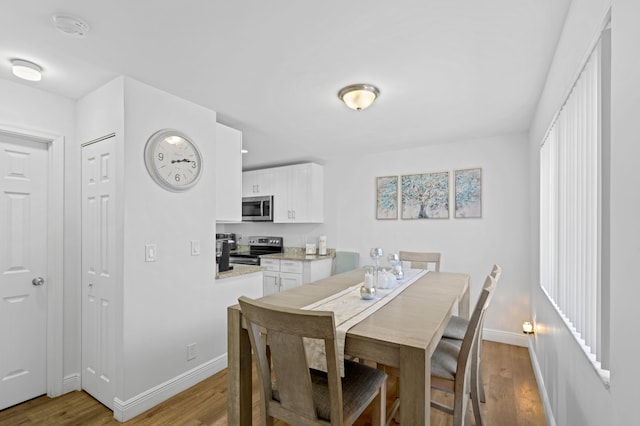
172	160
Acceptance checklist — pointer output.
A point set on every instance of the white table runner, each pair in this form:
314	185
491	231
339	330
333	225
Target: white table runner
349	309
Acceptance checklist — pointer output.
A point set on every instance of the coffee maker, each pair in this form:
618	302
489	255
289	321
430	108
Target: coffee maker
230	239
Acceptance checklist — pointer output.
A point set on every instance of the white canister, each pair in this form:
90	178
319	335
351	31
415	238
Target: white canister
322	245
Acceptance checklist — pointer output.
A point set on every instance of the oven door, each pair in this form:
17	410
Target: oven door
257	209
244	259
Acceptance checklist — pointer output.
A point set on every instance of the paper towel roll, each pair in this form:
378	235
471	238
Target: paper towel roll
322	245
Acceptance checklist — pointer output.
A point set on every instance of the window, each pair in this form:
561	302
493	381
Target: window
573	208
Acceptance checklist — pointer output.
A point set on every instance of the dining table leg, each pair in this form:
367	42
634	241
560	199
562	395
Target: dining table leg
415	387
238	370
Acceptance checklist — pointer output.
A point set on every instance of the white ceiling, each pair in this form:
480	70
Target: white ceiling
446	70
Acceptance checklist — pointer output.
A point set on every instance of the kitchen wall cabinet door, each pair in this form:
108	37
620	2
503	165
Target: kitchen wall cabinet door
258	182
228	174
299	194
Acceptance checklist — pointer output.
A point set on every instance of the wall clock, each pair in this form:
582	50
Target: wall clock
173	160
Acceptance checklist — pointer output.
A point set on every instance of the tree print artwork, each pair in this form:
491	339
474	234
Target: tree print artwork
468	193
425	196
387	197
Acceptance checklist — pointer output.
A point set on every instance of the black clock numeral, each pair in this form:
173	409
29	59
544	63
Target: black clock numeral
160	156
177	177
193	164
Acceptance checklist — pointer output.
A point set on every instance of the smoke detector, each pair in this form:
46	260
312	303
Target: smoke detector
70	25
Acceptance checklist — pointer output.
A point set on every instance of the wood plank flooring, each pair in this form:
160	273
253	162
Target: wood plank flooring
512	400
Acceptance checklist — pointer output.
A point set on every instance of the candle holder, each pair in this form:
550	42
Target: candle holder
376	254
368	291
396	265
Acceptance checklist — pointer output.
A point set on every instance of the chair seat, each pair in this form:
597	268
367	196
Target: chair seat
359	385
444	360
456	327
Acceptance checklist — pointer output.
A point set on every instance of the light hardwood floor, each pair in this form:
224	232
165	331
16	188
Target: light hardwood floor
512	399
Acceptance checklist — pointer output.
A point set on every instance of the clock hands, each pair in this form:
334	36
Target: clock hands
184	160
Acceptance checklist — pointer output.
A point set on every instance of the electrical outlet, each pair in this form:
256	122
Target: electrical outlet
191	352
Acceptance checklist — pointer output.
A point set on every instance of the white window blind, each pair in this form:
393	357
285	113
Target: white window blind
570	209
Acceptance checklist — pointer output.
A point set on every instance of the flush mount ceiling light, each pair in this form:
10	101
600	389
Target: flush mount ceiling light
359	96
26	70
70	25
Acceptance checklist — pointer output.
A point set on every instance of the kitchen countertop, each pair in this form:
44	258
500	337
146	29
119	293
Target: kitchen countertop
239	270
298	255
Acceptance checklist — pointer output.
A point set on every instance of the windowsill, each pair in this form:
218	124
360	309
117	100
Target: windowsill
604	375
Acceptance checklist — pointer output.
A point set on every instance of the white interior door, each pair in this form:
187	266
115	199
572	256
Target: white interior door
98	267
23	269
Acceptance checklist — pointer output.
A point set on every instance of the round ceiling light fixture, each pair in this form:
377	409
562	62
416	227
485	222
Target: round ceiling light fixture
26	70
70	25
359	96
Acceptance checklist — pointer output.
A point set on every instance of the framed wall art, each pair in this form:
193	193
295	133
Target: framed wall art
468	190
425	196
387	197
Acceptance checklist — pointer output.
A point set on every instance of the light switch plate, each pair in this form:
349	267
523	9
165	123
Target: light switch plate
150	252
195	247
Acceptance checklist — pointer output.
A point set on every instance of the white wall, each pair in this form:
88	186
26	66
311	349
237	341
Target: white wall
175	301
468	245
625	204
31	109
169	303
576	394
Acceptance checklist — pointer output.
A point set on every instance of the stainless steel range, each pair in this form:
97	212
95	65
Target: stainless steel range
258	246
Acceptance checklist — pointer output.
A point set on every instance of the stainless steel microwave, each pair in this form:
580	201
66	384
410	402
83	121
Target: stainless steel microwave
257	209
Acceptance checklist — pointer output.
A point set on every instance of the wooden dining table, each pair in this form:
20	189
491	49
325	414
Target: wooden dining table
403	333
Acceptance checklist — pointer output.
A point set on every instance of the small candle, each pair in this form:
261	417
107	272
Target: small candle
368	280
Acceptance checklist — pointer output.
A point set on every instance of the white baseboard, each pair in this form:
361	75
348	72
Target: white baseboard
507	337
548	412
126	410
71	383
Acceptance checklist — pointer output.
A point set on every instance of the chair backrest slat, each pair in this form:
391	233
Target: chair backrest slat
473	330
419	260
286	329
496	271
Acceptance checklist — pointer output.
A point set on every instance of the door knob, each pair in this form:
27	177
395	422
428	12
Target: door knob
37	281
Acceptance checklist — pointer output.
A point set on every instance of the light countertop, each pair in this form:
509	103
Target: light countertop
239	270
297	256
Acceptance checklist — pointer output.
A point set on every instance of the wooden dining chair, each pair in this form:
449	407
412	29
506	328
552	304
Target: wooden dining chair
345	261
452	364
419	260
456	329
289	389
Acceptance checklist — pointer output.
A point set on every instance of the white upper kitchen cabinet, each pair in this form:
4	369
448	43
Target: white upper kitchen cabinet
258	182
299	194
228	174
